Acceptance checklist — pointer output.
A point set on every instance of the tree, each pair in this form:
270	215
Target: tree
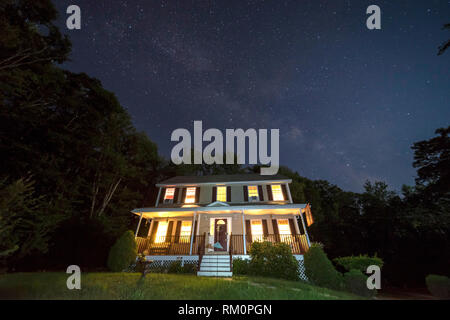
446	44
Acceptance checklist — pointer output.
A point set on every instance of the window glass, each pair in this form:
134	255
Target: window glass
221	194
186	228
161	232
257	230
253	193
283	226
168	196
277	193
190	195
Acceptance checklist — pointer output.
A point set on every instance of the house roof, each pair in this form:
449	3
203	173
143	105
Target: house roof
223	178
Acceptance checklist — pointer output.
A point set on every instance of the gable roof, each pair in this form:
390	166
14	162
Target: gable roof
223	178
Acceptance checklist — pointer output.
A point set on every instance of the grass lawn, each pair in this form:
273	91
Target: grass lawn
52	285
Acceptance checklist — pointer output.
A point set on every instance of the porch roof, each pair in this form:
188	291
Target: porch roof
153	212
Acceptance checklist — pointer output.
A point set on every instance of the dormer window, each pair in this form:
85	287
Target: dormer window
253	194
190	195
277	193
221	194
169	195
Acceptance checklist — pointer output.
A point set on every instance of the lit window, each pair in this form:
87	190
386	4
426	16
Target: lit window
161	232
186	228
168	197
283	226
190	195
253	193
221	194
257	230
277	194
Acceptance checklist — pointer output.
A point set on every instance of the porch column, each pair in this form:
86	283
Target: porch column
139	224
243	232
304	227
192	232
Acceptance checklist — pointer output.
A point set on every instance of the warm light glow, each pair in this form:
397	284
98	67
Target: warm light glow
221	194
190	195
277	193
168	197
283	226
186	228
253	193
257	230
161	232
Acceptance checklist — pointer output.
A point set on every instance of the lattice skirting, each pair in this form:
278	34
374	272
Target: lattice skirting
160	262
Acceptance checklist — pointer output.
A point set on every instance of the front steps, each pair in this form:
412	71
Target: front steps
215	266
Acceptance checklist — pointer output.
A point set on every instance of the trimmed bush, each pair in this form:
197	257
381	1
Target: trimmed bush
439	286
319	269
175	267
360	262
356	282
240	266
189	267
122	253
273	260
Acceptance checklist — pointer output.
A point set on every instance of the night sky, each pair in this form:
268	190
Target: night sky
349	102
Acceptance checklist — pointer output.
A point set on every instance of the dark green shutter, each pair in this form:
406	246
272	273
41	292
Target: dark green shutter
169	231
248	231
214	194
197	195
269	192
229	194
245	193
265	228
161	195
178	231
183	195
292	226
275	229
260	193
285	194
175	195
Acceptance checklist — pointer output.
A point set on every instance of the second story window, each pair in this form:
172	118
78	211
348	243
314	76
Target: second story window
253	193
277	193
221	194
169	195
190	195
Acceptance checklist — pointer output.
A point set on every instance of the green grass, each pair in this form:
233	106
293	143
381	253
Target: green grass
52	285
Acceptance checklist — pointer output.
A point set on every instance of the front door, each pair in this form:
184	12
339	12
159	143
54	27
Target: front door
220	235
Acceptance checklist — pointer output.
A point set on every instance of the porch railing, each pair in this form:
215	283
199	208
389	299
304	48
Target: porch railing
180	245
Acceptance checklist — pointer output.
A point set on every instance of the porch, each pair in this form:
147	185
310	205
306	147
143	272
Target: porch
236	244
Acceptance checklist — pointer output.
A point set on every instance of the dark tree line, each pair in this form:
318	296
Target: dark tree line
73	166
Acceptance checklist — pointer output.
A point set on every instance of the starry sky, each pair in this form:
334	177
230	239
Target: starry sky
349	102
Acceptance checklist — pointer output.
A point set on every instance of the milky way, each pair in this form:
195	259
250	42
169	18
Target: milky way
349	101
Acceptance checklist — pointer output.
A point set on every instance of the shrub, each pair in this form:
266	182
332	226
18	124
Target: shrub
240	266
273	260
189	267
123	252
355	281
360	262
319	269
175	267
439	286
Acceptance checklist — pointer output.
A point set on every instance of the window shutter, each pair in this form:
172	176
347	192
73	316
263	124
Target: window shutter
169	231
269	192
195	231
197	195
175	195
161	195
285	194
265	229
275	229
214	194
292	226
248	231
183	195
178	231
228	193
260	193
154	229
245	193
